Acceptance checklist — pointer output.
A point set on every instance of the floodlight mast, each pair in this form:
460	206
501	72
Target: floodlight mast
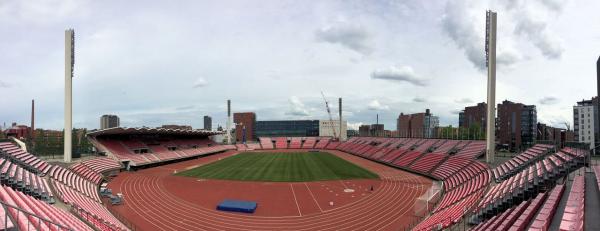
490	57
69	65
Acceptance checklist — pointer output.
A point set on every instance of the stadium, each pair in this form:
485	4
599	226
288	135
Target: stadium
178	179
501	168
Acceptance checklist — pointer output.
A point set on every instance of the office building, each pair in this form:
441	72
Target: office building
473	116
109	121
290	128
417	125
585	125
327	128
207	123
516	125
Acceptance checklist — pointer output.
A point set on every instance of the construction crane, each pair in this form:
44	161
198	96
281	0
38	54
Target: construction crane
330	117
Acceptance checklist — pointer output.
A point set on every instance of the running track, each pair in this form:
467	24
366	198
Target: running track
150	205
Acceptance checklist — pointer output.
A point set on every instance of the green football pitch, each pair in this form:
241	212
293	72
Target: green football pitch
282	167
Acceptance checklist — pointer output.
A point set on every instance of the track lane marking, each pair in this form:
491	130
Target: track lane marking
297	206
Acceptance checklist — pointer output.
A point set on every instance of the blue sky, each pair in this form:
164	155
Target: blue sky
164	62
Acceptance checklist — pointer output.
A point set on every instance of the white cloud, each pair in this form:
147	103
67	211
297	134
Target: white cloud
4	84
419	100
354	126
351	36
297	108
200	82
531	19
549	100
400	74
464	100
536	32
375	105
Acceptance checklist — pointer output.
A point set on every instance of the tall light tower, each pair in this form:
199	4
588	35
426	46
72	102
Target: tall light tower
490	56
69	63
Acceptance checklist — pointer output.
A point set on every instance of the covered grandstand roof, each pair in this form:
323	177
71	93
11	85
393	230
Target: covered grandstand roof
149	131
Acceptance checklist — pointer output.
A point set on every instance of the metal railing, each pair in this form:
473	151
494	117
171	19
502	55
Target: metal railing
12	214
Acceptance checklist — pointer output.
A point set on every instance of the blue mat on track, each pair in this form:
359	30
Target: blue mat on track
237	206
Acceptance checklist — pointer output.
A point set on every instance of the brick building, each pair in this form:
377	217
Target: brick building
244	121
417	125
473	116
516	124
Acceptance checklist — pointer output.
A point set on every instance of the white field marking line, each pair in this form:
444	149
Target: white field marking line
297	206
313	197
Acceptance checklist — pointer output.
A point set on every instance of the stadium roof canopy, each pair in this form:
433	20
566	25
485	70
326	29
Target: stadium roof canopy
151	131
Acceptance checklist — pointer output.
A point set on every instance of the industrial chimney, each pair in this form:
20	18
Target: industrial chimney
32	119
340	110
228	136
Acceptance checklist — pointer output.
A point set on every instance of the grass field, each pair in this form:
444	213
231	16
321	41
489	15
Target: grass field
283	167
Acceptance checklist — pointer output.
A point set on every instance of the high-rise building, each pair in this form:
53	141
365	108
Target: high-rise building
207	123
473	116
585	124
109	121
377	130
244	126
417	125
364	130
516	124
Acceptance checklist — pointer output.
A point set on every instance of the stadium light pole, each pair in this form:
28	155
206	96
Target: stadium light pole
69	63
490	54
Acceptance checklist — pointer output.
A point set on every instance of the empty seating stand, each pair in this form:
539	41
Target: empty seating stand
253	146
281	142
573	217
546	213
426	163
18	202
266	143
473	149
309	142
322	143
88	209
74	181
295	143
21	179
27	160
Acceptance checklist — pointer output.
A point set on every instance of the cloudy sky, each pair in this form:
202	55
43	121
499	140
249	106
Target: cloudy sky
168	62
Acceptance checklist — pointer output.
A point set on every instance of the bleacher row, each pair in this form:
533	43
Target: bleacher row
124	150
448	160
87	208
573	216
517	163
21	179
268	143
74	189
25	159
29	204
596	169
527	183
76	182
94	169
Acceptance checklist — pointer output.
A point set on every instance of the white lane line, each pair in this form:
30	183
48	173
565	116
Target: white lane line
297	206
313	197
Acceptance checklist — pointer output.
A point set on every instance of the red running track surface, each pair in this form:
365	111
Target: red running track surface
157	200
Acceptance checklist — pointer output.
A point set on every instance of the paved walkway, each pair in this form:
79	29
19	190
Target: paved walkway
592	202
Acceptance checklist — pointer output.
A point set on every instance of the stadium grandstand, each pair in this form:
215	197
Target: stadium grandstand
530	191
